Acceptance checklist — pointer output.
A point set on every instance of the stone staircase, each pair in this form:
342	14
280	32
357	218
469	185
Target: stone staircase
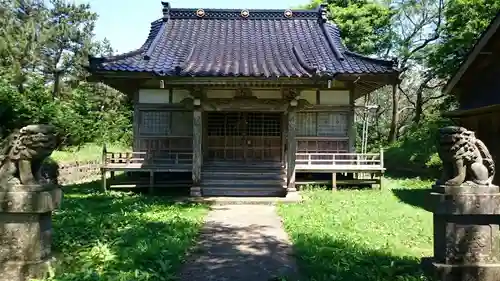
257	179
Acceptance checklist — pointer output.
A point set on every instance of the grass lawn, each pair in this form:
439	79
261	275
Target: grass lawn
361	235
87	152
122	236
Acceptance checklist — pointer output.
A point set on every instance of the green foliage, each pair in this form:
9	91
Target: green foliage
121	236
364	25
360	235
86	152
466	20
417	150
42	75
76	116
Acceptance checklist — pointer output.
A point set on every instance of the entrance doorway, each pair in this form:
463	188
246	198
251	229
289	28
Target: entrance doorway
244	136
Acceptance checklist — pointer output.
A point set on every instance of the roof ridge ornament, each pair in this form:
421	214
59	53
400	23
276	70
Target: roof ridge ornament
323	12
200	13
166	10
245	13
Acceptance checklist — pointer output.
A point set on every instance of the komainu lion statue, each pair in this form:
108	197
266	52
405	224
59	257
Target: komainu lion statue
22	154
466	160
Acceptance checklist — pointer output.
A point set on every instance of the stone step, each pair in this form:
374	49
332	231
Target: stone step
243	192
239	182
242	169
244	183
243	176
243	165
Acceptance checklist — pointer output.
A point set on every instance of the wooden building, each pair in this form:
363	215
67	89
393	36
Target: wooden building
477	88
244	97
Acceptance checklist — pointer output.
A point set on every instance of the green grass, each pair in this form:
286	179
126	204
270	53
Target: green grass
361	235
122	236
87	152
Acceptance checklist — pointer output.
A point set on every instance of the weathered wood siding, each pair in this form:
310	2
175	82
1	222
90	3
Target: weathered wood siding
162	127
325	130
484	91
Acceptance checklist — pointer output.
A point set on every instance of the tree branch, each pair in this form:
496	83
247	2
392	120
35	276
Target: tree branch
406	95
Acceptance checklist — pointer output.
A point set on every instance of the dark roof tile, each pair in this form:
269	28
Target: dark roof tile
223	43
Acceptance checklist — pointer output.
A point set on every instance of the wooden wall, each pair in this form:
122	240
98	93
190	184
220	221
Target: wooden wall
484	91
325	129
487	128
163	127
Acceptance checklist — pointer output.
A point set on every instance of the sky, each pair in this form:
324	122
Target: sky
125	23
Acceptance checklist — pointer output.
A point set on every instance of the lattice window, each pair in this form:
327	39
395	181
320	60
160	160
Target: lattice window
332	124
306	124
154	123
322	124
225	124
166	123
261	124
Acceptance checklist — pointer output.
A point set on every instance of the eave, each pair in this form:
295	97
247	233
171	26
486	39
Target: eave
473	54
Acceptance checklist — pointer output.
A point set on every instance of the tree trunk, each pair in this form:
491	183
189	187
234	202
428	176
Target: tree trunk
418	106
57	80
395	116
419	103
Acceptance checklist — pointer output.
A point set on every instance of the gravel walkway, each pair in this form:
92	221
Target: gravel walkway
240	243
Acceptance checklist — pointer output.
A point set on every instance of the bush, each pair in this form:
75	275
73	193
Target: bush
88	113
415	153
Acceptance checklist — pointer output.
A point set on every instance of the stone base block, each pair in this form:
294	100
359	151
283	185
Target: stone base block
195	191
466	272
30	198
22	271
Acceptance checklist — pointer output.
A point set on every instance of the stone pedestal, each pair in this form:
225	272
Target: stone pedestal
195	191
466	234
26	230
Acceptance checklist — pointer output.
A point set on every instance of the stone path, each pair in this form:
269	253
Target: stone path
240	243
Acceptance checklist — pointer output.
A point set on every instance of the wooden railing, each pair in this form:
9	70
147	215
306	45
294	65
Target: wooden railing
340	161
158	161
145	159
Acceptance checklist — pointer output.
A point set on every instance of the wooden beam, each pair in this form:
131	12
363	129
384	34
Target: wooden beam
291	147
197	146
334	181
472	112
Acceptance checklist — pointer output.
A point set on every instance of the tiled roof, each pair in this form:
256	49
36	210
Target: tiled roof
266	43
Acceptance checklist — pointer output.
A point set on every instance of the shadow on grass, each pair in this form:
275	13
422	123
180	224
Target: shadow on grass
322	258
415	197
165	184
122	235
243	253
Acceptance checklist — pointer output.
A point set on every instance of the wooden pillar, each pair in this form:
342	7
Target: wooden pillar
291	147
284	123
351	125
136	122
197	151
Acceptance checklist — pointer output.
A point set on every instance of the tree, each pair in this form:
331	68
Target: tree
22	33
466	20
68	40
364	25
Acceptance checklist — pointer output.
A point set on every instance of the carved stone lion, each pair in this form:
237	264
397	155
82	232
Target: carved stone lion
23	152
466	160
